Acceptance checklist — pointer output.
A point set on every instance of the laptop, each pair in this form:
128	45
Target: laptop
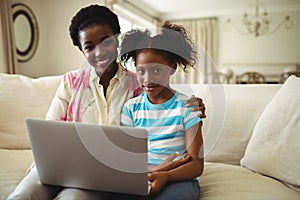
88	156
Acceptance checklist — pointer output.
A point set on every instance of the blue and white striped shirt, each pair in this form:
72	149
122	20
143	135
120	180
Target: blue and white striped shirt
166	124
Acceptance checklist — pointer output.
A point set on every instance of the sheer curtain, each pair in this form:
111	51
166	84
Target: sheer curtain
205	35
8	53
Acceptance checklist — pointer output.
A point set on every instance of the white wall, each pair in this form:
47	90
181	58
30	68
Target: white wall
57	55
268	54
279	47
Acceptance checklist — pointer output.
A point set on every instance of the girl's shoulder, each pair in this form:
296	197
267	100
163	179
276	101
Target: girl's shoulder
137	99
181	99
180	96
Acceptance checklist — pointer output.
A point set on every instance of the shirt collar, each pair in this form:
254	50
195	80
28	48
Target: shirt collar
120	73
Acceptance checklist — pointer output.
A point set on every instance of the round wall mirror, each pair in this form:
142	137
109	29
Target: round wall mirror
26	31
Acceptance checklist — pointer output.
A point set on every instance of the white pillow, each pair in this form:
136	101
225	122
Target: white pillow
22	97
274	148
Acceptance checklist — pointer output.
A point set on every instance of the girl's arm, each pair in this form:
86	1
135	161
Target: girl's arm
170	163
186	171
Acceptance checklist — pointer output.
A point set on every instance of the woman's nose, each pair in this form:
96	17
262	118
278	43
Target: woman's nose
98	50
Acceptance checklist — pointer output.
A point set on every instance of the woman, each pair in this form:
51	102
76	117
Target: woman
92	94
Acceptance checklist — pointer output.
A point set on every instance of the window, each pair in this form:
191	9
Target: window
130	18
128	21
125	25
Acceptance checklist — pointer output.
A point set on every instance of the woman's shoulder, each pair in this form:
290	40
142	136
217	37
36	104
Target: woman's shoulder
78	72
77	77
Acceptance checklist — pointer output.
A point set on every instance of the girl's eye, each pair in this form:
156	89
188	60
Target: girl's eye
141	71
156	70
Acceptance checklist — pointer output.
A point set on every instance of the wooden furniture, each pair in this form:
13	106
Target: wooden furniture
250	78
222	77
219	78
285	75
271	71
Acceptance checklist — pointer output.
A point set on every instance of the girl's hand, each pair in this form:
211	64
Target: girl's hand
158	180
197	105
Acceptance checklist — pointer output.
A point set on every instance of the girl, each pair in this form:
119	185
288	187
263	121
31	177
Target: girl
172	127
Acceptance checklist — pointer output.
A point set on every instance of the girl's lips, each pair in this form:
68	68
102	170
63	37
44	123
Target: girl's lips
150	87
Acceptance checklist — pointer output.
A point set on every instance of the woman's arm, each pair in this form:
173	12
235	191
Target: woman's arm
196	104
60	102
189	170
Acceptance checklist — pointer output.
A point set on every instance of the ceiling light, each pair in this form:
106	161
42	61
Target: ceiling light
259	23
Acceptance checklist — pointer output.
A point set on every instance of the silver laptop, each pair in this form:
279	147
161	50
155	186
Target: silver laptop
104	158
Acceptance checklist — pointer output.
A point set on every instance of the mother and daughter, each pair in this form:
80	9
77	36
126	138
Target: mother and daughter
105	93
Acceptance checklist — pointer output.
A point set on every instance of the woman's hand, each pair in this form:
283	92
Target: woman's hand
196	104
158	180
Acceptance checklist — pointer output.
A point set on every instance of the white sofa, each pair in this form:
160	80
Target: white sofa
232	115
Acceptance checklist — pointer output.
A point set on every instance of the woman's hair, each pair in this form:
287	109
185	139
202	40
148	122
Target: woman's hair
92	15
173	44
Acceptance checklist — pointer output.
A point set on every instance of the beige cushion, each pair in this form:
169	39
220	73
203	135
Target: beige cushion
22	97
274	148
232	112
13	166
222	181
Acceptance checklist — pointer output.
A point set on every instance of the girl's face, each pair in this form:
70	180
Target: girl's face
153	73
99	46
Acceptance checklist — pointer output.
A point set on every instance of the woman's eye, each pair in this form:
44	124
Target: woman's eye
88	48
107	42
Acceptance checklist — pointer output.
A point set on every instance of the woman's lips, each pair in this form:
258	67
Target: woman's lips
103	62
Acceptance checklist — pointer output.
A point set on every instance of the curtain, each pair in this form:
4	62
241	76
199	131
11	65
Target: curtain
8	56
204	32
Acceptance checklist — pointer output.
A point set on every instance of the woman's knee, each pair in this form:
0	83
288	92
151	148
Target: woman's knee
80	194
31	188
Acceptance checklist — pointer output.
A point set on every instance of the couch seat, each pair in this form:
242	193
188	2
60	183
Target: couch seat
224	181
13	166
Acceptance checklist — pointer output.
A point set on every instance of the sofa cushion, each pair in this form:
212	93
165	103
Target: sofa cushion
13	166
273	149
22	97
232	112
223	181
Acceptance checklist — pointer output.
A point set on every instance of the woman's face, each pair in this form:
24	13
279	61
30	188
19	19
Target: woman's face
99	46
153	74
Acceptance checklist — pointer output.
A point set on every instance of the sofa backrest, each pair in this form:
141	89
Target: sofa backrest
232	111
22	97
